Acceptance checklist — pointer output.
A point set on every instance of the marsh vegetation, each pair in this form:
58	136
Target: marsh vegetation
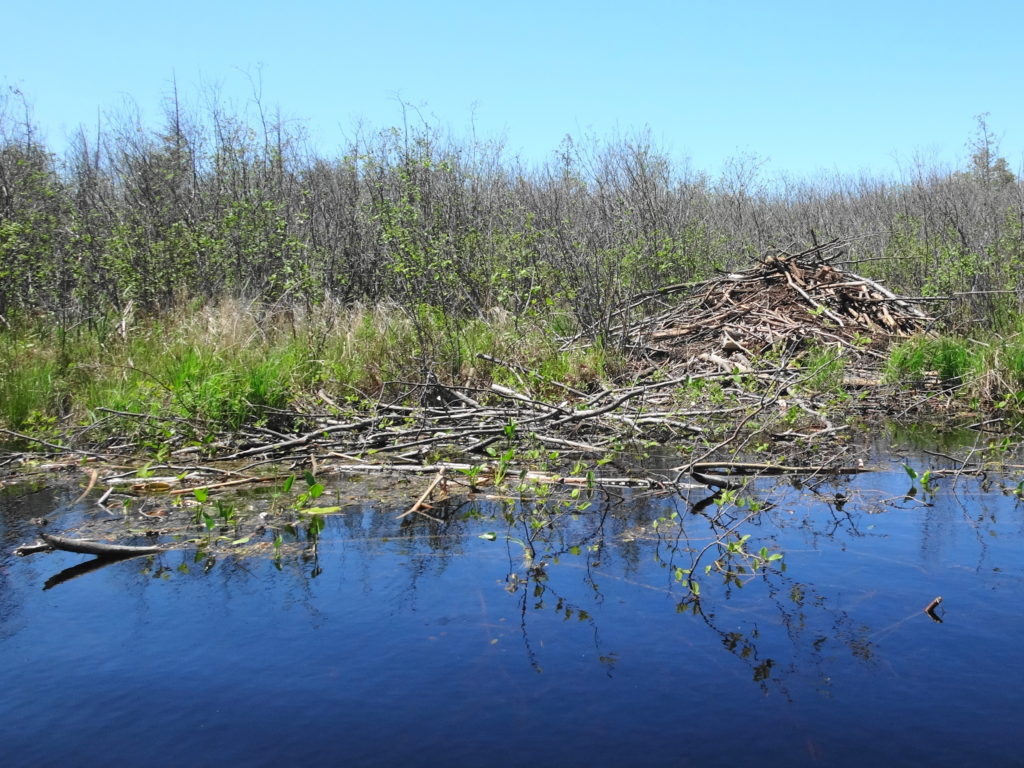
216	267
214	293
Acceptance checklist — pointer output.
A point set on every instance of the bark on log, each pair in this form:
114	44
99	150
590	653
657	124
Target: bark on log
98	548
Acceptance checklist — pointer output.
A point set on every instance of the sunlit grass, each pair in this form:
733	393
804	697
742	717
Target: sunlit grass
231	364
950	359
988	370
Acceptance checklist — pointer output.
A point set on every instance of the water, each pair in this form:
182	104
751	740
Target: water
411	643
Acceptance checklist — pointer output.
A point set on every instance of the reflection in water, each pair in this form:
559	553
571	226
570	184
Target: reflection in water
82	569
580	610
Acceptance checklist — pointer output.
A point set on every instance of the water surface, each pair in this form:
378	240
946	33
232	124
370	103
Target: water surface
418	642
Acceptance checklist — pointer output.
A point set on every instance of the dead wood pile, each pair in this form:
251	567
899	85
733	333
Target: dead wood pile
784	304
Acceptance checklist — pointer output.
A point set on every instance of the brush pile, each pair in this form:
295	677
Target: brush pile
785	304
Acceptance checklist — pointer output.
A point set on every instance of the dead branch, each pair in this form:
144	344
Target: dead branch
98	548
425	495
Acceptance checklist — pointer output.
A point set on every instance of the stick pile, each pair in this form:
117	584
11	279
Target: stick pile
781	304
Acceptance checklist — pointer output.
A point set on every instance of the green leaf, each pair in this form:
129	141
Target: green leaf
308	477
287	486
911	472
315	490
319	511
243	540
201	494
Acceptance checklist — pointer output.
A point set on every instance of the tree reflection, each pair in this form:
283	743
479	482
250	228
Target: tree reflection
587	561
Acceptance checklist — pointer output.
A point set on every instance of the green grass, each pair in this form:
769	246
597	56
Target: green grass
825	367
206	370
989	370
1002	372
28	371
951	359
229	365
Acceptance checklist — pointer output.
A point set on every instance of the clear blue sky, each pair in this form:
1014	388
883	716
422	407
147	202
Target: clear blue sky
807	86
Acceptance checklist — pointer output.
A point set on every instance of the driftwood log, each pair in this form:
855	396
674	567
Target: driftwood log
98	548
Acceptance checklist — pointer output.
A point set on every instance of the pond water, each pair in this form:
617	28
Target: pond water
418	642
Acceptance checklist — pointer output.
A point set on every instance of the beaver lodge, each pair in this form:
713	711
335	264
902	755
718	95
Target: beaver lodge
784	306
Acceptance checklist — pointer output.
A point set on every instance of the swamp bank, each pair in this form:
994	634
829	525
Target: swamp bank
780	370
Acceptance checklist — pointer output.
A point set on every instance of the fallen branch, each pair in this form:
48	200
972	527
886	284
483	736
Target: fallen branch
228	484
98	548
426	494
93	474
31	549
743	467
61	449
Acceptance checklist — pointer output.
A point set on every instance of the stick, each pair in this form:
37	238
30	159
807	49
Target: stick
419	502
98	548
740	467
519	368
29	549
103	498
63	449
228	483
301	439
93	474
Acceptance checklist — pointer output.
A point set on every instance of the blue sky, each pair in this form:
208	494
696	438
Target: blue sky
805	86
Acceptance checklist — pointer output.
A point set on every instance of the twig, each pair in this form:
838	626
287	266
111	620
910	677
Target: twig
419	502
521	369
93	474
743	467
930	609
58	448
227	484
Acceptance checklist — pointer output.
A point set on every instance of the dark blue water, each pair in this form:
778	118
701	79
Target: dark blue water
392	644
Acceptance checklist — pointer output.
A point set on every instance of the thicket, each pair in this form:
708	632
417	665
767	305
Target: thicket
211	205
135	223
